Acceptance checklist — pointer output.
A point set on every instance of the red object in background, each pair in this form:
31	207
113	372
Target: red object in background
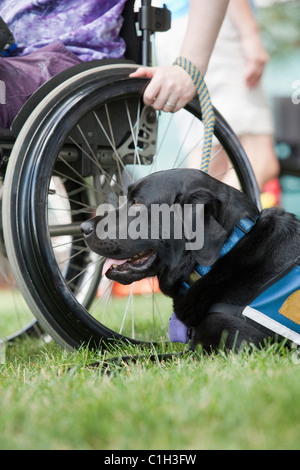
271	195
145	286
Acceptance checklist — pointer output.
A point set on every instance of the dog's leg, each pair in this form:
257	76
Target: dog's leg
223	331
192	307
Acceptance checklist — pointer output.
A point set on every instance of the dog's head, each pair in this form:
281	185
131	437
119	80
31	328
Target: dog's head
159	230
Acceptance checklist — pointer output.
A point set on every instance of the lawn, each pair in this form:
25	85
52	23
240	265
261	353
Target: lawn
52	399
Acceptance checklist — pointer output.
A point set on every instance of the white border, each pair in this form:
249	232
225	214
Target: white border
271	324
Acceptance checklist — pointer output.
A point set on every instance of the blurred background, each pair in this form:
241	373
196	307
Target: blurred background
280	27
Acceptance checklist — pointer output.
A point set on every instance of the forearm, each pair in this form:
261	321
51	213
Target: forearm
241	14
253	49
171	88
205	20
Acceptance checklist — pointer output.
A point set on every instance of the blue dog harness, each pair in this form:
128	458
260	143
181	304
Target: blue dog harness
240	229
275	309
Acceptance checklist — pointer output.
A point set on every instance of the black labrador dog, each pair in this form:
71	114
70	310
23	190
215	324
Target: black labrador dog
268	246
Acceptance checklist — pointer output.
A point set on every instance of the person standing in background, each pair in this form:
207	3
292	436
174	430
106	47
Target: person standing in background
234	81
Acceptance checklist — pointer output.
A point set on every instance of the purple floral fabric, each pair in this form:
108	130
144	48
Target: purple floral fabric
88	28
53	35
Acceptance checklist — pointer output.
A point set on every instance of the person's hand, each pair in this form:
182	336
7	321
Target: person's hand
256	58
170	88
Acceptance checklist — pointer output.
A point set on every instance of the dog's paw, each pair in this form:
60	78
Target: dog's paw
185	311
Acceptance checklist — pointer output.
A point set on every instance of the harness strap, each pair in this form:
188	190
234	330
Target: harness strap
207	110
179	332
240	230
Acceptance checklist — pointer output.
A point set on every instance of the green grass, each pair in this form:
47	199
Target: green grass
150	326
14	313
52	399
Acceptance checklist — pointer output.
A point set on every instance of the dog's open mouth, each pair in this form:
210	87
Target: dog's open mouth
138	264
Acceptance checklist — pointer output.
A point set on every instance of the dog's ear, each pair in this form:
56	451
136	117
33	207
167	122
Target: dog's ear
219	220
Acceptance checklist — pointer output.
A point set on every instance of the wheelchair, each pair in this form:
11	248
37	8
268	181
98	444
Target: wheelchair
77	143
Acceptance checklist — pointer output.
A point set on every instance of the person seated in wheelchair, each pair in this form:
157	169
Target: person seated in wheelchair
53	35
39	39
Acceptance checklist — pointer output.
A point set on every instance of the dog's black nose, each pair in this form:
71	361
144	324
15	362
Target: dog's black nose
87	227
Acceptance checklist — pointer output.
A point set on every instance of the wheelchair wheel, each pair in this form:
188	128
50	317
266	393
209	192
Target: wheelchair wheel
82	146
16	319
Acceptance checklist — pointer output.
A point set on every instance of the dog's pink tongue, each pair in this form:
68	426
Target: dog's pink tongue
109	262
